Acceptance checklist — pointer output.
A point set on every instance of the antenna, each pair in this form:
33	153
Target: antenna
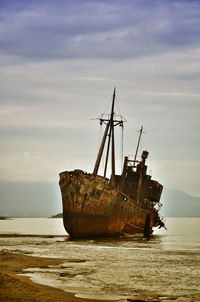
136	152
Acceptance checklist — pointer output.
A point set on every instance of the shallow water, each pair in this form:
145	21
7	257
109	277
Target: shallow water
166	266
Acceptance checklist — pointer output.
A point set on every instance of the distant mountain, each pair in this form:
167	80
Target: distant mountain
29	199
179	204
43	199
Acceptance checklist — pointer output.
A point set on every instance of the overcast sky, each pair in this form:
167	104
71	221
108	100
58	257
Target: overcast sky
59	63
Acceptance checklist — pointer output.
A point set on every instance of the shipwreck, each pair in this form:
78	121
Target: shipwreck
94	205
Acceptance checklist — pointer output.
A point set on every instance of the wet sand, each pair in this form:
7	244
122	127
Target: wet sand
15	235
14	287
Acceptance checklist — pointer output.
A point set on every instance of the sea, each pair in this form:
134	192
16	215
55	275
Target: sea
165	267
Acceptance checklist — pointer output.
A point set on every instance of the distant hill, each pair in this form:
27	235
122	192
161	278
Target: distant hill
60	215
43	199
29	199
179	204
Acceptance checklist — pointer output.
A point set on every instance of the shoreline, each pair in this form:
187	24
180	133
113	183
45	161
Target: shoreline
16	235
15	287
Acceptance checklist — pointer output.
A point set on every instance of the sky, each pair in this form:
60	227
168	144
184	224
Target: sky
59	63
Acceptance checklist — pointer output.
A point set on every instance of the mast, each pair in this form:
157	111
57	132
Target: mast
113	141
96	167
107	153
109	132
108	125
136	152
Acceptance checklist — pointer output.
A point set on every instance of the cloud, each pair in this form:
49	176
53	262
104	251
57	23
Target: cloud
60	61
98	29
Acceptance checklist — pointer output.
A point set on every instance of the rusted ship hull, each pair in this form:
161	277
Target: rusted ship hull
92	207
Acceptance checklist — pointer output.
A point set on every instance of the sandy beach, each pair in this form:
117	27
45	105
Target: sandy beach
14	287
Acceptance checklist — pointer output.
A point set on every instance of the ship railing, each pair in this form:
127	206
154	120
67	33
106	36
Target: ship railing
130	200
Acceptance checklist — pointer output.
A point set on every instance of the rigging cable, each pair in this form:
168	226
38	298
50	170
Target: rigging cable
141	148
107	106
100	135
118	107
122	146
